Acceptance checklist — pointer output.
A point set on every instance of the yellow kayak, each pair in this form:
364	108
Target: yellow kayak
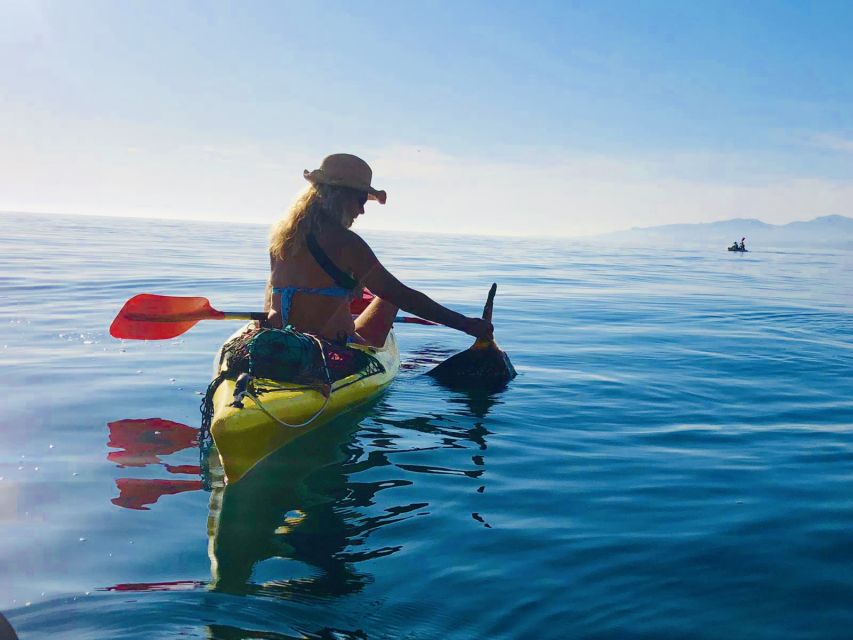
275	413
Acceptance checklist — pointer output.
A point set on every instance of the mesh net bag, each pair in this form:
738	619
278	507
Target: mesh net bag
286	355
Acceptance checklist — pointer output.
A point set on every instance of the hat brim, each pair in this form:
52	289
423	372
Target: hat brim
379	196
318	176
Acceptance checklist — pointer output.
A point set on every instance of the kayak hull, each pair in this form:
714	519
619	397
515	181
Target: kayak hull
245	436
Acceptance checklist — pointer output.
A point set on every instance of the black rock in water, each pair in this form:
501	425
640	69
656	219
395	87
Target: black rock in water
482	366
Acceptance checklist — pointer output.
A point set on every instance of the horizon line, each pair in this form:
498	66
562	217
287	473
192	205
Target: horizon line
431	232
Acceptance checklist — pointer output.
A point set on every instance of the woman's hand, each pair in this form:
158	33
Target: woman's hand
274	319
479	328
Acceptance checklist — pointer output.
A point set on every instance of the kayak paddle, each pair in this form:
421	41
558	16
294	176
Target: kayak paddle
152	317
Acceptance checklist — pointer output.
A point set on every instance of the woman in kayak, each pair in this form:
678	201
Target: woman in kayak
317	265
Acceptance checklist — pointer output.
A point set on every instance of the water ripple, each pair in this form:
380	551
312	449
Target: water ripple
674	459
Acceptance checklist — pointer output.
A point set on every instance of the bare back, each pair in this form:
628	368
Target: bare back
326	316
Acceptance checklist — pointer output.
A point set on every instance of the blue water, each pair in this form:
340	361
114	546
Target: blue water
675	458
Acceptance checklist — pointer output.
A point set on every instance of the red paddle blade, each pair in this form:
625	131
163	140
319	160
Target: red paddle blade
151	317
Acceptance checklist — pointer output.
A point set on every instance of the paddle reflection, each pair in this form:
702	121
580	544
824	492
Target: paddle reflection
395	440
143	441
140	444
475	403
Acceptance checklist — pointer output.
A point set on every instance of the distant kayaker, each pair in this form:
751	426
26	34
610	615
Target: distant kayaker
317	265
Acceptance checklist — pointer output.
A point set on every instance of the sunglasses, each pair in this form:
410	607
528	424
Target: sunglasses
361	197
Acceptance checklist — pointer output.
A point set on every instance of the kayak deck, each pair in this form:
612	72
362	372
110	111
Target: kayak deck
244	436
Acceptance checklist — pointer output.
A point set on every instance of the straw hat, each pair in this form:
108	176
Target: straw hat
345	170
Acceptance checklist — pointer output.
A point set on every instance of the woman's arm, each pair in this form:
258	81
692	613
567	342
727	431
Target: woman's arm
382	283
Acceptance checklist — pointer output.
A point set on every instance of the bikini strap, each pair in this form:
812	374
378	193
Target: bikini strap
343	279
287	294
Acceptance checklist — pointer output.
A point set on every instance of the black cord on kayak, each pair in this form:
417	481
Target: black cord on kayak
207	407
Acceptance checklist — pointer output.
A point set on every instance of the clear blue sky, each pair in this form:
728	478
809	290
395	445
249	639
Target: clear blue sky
530	118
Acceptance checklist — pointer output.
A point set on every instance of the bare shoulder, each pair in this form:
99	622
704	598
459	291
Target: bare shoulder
356	247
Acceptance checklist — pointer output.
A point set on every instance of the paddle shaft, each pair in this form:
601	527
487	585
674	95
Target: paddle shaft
237	315
148	316
189	317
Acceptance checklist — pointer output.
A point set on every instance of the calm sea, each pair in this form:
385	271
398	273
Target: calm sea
675	458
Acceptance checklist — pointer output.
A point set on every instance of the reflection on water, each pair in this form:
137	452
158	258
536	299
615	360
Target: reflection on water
299	526
310	502
141	443
476	403
138	493
275	511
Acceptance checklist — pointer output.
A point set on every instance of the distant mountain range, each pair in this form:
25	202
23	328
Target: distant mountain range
825	231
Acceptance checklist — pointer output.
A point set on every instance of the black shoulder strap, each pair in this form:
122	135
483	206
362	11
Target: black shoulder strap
342	279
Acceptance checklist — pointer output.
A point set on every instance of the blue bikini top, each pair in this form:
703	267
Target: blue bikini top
346	283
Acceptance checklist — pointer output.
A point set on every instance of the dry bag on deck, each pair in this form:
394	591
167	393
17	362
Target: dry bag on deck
276	354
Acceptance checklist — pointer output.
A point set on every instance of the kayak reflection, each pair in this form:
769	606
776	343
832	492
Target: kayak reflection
295	504
308	502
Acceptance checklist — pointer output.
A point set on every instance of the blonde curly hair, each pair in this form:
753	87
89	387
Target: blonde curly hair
317	207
